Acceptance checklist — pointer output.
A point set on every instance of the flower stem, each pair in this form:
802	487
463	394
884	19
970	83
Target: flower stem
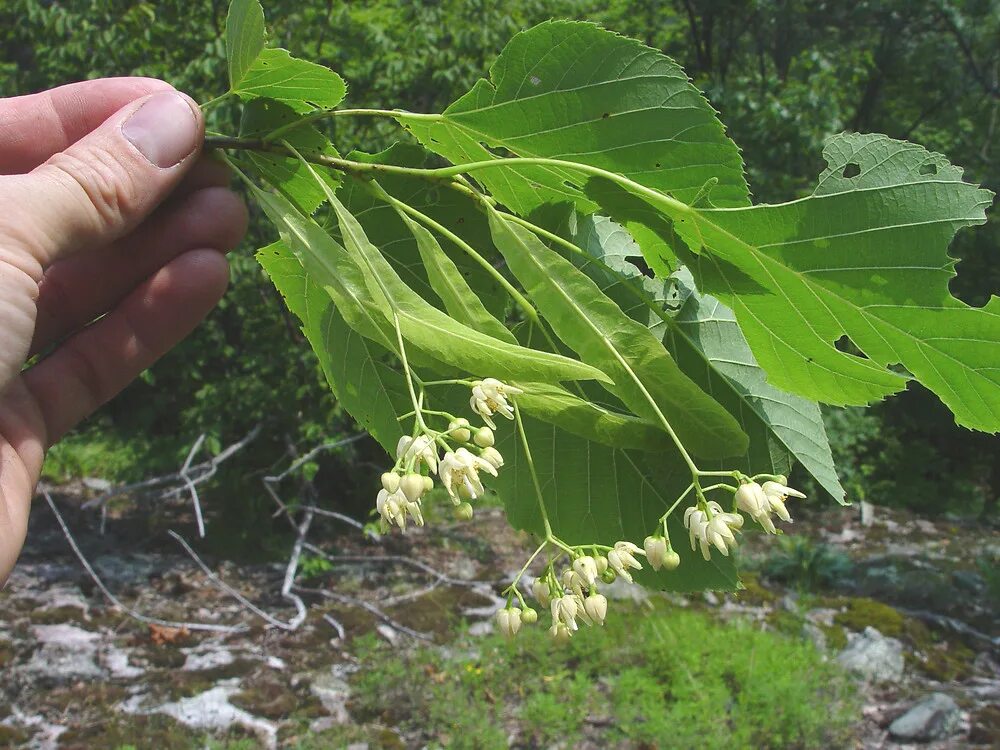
549	537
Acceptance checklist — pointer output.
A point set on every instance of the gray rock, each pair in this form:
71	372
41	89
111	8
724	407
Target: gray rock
621	590
933	718
66	653
873	656
210	711
332	691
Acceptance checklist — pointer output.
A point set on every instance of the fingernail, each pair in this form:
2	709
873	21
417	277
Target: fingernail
164	129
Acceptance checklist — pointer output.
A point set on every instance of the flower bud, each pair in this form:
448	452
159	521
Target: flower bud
390	481
656	551
602	564
609	576
493	456
671	560
560	632
459	430
509	621
428	484
464	512
596	607
484	437
540	590
529	616
412	486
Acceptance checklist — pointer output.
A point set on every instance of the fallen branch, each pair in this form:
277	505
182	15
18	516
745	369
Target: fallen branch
293	624
368	607
179	481
118	604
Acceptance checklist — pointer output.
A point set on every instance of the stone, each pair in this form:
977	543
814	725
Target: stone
332	691
873	656
935	717
622	590
211	711
66	653
199	660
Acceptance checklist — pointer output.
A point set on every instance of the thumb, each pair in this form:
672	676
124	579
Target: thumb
105	184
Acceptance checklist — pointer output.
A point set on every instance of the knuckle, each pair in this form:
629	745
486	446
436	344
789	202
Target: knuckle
97	180
82	364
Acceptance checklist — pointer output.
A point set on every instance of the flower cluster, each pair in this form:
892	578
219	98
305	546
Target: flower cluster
572	597
457	455
710	526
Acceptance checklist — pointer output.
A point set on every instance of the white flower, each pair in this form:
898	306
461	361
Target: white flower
586	568
596	607
421	448
489	397
776	494
492	455
392	507
622	557
713	527
656	551
540	590
751	500
571	580
564	610
509	621
460	468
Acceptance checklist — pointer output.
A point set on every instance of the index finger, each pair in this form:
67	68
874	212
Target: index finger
36	126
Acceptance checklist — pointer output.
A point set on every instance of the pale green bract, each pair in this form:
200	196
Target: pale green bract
587	274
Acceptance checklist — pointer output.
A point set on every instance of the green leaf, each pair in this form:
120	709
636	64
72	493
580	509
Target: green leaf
456	212
864	258
302	85
596	493
373	392
443	338
574	91
459	299
703	337
330	266
244	37
594	326
557	406
262	117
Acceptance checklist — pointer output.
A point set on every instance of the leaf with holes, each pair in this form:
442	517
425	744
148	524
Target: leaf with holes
703	337
864	257
645	378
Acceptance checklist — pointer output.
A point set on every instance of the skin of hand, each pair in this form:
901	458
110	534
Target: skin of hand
113	233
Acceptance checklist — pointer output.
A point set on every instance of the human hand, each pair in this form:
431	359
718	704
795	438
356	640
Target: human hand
106	209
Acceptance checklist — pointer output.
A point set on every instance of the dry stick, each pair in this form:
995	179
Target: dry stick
293	566
318	449
412	562
225	587
198	474
352	602
190	484
116	601
335	624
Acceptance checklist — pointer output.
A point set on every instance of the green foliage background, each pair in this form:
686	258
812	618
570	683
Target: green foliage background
785	75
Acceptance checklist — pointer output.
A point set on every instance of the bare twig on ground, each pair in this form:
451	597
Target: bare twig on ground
225	587
189	483
118	604
368	607
171	485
